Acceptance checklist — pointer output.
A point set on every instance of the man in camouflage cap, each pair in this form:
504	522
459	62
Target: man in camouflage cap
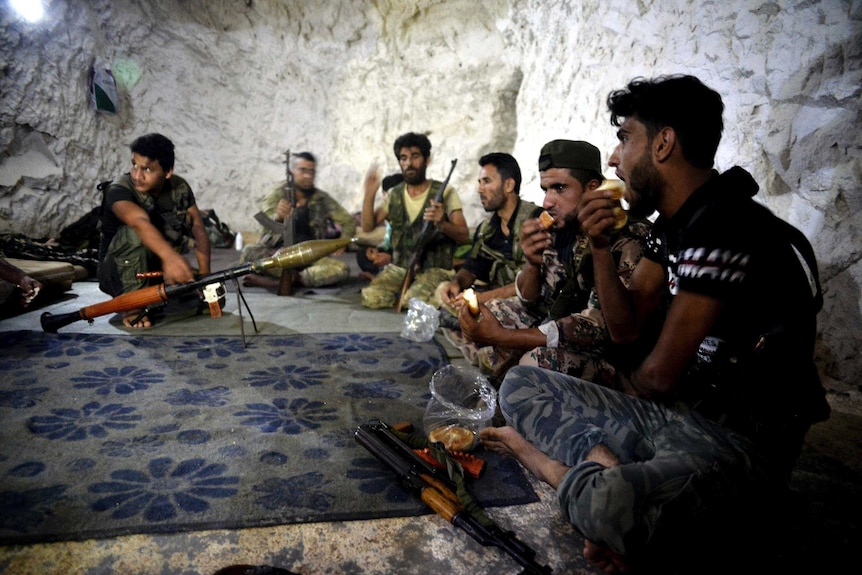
555	321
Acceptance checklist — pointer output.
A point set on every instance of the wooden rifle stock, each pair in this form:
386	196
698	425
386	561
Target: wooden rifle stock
415	261
438	492
300	255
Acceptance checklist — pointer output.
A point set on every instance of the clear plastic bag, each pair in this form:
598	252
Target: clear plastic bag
421	322
462	404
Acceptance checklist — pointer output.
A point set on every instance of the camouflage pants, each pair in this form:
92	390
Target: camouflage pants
384	289
676	465
495	361
325	271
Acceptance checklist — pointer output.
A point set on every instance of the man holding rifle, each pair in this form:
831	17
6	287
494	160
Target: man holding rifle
316	216
407	207
147	218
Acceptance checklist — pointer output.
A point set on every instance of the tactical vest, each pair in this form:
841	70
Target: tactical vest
503	270
169	211
405	235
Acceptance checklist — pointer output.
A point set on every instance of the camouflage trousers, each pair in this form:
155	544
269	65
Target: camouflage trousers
496	361
385	288
676	466
325	271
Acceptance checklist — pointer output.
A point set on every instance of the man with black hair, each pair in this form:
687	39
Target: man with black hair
407	207
555	322
496	254
697	450
148	216
316	216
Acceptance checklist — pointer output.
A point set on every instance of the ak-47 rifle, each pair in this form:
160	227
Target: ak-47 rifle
285	229
415	262
442	495
300	255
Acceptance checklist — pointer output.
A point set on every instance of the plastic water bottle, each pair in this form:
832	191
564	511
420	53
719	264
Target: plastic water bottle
237	244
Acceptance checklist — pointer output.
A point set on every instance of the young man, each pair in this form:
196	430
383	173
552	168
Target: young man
407	207
317	217
556	322
148	216
496	255
711	422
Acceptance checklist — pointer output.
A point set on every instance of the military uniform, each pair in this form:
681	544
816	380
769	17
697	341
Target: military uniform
320	218
122	254
568	309
385	288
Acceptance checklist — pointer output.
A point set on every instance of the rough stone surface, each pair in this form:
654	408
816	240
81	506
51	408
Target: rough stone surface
236	82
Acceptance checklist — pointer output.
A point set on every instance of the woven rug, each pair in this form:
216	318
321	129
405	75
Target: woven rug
108	435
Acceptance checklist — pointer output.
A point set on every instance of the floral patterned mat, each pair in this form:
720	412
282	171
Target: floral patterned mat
106	435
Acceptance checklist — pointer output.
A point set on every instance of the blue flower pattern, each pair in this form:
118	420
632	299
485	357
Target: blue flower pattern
157	494
271	424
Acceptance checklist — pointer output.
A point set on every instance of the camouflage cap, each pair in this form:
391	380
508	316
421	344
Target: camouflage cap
575	154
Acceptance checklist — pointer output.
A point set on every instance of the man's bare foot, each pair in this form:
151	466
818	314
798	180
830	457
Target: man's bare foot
602	454
603	558
258	280
131	316
507	441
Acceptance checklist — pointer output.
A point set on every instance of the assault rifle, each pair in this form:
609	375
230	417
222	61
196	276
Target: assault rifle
440	493
300	255
284	229
415	262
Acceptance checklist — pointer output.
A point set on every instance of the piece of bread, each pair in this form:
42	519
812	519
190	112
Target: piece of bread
618	189
453	437
546	219
472	303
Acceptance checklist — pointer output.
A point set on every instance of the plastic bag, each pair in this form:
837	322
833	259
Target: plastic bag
421	322
102	88
462	404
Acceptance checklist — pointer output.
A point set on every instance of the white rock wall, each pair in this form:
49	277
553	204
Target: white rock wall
236	82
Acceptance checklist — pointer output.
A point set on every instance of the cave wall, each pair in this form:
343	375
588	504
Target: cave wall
234	83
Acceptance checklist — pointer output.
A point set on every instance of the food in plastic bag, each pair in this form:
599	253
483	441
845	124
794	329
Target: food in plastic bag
421	321
462	404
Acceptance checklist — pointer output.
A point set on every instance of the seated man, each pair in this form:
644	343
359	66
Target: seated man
556	322
407	207
317	216
148	216
496	254
710	424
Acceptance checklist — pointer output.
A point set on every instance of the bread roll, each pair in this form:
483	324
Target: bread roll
618	189
546	219
453	437
472	303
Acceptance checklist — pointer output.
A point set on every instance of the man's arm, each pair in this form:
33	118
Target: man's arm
175	268
486	330
534	239
203	251
688	322
370	217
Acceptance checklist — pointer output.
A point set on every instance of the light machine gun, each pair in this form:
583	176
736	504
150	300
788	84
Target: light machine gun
285	229
443	495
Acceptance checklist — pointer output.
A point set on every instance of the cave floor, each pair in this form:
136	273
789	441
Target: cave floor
426	544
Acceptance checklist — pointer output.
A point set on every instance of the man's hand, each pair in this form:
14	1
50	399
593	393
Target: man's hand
434	213
596	216
30	288
483	329
176	270
372	180
451	295
535	239
282	210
